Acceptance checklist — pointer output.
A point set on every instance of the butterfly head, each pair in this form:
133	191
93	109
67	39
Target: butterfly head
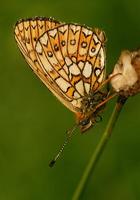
88	122
85	124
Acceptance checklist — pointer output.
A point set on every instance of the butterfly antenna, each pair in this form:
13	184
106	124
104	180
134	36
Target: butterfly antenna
69	134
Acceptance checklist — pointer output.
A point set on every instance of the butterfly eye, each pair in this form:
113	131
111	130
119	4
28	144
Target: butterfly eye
84	122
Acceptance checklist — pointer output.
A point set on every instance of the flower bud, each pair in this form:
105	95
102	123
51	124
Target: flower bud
125	78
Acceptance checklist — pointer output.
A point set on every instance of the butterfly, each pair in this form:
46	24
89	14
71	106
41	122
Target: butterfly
70	60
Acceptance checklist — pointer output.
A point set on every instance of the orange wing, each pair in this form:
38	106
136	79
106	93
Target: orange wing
68	58
27	33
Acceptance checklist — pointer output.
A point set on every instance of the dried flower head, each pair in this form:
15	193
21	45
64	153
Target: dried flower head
125	78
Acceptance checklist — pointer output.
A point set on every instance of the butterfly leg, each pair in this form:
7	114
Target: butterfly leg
106	100
109	96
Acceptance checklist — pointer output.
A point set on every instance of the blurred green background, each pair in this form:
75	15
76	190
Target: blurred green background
33	122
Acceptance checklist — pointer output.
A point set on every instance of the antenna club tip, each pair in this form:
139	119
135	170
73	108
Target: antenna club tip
51	164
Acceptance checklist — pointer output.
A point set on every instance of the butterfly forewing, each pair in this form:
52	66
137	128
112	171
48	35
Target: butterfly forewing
27	33
68	58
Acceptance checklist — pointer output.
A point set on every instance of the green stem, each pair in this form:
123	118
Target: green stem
99	149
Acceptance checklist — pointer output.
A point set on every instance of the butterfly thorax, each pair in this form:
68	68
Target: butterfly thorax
89	111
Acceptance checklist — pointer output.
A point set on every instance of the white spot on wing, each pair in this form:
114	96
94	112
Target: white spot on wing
75	28
81	65
95	38
92	47
74	70
66	68
62	84
102	57
39	48
63	74
44	39
73	59
87	70
53	32
100	79
86	31
63	28
68	61
20	26
48	68
87	87
76	95
76	103
97	72
79	87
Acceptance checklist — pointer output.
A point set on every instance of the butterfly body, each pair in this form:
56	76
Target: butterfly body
69	59
89	114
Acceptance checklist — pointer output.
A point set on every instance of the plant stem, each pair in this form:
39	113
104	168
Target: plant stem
99	149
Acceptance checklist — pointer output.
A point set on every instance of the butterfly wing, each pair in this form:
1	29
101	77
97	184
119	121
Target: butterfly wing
27	33
68	58
73	57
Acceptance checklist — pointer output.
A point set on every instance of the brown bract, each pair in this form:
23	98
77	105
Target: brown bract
126	74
